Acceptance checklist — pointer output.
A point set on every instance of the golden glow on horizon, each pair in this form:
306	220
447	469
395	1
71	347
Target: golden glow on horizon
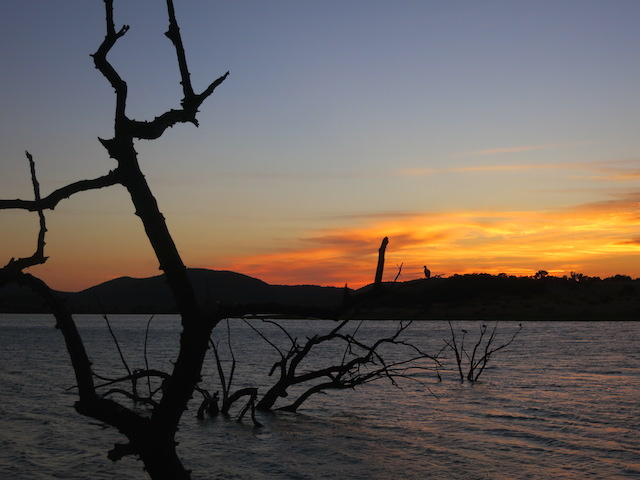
598	239
591	239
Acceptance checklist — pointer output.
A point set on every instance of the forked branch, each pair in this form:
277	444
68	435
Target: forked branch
38	256
477	360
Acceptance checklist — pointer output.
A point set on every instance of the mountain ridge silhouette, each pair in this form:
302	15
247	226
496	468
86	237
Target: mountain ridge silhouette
152	294
469	296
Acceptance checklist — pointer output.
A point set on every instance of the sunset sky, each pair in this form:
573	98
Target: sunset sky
479	136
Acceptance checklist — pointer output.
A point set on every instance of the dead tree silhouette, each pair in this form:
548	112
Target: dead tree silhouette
150	435
152	438
380	267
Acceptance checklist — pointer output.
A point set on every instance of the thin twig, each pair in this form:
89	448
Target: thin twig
146	360
124	362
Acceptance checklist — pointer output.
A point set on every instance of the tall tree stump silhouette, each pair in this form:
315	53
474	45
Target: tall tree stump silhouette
380	267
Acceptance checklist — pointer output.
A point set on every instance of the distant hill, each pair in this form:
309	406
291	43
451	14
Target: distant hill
152	295
476	296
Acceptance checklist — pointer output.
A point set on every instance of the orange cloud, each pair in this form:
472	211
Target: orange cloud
616	174
591	236
493	168
614	171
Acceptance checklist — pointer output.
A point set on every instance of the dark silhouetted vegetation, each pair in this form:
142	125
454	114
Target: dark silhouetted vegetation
502	297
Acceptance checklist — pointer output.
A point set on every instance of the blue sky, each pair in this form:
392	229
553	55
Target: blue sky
336	115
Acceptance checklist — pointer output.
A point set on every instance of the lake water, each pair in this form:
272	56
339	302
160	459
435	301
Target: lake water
561	402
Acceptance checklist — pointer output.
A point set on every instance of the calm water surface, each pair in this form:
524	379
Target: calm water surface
562	402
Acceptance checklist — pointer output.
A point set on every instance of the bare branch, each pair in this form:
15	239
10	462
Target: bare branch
149	130
65	323
173	34
43	225
253	395
131	396
399	272
51	201
490	351
156	127
475	366
124	362
137	374
107	70
146	359
233	357
190	101
264	337
360	363
38	257
454	346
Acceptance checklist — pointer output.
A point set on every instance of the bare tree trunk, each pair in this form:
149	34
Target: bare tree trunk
269	399
380	268
179	387
161	459
196	325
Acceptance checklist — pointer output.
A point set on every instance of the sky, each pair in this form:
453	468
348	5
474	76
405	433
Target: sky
493	136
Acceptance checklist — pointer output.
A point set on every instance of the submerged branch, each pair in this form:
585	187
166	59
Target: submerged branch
359	363
475	366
